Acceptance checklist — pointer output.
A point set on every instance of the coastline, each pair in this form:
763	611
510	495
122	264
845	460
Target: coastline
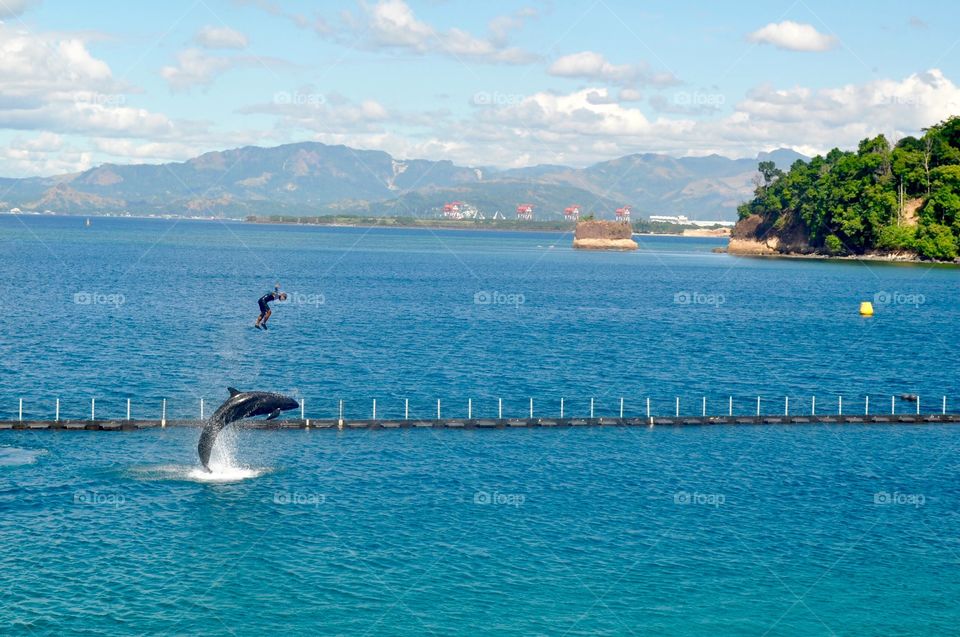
893	258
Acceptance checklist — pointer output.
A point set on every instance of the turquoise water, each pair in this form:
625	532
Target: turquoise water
843	530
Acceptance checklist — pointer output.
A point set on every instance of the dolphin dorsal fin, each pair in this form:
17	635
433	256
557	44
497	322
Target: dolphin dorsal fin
233	391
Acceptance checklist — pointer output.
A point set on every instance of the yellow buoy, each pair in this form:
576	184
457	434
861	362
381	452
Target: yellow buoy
866	308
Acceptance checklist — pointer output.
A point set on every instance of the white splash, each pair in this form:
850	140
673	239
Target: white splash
16	457
223	465
223	474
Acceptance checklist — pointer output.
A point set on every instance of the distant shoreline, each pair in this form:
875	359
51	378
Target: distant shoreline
378	222
872	258
661	229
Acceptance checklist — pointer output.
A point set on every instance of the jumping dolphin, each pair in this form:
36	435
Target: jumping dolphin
240	405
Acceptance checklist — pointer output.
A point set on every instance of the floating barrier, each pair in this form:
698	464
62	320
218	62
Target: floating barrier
531	419
479	423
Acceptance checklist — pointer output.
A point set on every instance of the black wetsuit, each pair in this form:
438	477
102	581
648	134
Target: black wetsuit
265	300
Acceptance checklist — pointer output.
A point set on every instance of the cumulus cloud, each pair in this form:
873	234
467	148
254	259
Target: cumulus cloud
53	83
585	126
589	65
392	25
793	36
220	38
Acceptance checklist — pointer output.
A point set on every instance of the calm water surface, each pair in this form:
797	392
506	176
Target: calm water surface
703	531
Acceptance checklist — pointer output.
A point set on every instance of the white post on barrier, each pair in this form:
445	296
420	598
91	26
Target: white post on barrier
561	408
648	406
406	409
438	409
470	408
302	415
758	405
93	409
20	416
676	411
704	406
944	411
591	408
866	406
918	405
340	417
840	405
500	408
621	406
374	408
730	408
813	406
893	405
201	409
163	414
128	409
531	408
786	405
58	410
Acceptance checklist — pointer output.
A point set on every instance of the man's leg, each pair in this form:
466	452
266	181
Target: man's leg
265	317
263	312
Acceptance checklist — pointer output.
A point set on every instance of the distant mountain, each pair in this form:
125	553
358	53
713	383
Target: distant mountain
313	178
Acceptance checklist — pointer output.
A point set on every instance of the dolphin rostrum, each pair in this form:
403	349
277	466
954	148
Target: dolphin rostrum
240	405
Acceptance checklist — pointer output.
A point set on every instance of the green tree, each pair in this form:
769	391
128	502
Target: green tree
943	205
936	241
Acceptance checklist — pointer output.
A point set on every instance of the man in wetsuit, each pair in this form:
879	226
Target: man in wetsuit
264	303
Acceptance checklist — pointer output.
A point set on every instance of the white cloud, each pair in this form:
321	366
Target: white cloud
195	68
220	38
592	66
585	126
53	83
793	36
333	113
392	24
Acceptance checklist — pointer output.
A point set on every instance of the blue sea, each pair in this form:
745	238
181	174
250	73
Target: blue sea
720	530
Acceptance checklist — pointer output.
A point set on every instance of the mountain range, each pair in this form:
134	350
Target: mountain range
311	178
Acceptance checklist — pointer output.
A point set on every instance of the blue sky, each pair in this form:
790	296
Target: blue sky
486	84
